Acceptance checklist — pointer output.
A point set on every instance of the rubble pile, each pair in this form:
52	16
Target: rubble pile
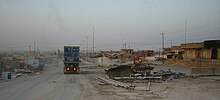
141	72
125	75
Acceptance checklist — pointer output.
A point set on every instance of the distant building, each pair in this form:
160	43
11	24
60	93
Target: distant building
214	46
175	52
111	54
204	50
10	64
147	53
127	51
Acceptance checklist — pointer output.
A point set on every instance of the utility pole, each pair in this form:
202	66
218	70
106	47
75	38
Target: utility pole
38	51
162	34
37	44
93	42
83	47
29	51
34	49
185	31
87	46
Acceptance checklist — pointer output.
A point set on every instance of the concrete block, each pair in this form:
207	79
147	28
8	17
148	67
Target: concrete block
202	71
6	75
104	61
217	71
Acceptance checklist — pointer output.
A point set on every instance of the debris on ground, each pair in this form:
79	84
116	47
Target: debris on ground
115	83
125	75
17	75
217	78
168	75
141	72
124	85
118	71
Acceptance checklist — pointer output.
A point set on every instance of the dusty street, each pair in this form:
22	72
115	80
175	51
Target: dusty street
52	84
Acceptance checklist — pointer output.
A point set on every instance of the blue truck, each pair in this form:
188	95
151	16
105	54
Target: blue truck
71	60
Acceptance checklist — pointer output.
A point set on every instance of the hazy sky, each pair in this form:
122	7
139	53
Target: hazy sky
54	23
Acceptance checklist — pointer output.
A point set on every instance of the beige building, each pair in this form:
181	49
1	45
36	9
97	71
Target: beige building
146	53
173	52
127	51
204	50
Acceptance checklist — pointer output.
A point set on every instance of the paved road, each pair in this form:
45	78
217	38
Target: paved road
51	85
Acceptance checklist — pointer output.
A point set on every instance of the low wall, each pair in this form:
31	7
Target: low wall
202	71
194	63
217	71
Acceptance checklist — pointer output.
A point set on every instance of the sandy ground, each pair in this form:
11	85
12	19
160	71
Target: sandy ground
52	84
178	89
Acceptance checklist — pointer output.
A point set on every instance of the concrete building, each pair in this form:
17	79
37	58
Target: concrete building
174	52
192	50
111	54
203	54
10	64
127	51
147	53
204	50
214	46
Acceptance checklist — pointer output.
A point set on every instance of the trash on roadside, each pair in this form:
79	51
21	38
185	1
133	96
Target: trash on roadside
125	75
123	85
141	72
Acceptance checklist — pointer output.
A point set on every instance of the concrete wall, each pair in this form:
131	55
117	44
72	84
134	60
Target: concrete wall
218	50
104	61
194	63
206	53
198	54
216	71
192	45
190	54
201	71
